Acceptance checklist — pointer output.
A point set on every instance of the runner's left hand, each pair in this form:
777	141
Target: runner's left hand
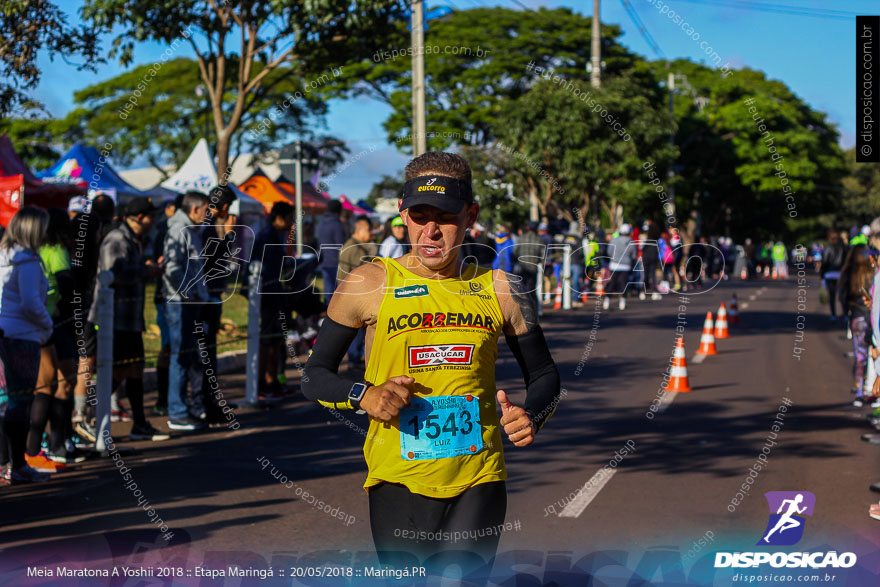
516	421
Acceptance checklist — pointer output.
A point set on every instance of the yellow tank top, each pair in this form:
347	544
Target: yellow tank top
444	334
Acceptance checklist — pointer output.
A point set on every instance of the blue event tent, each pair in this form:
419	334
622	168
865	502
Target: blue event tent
87	168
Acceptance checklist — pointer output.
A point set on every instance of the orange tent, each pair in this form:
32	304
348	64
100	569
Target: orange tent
263	189
312	202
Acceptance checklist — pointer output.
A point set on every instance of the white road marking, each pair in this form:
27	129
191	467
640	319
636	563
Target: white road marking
698	358
666	400
587	493
745	305
753	298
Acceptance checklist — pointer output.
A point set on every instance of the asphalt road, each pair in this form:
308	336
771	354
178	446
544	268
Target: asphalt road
671	485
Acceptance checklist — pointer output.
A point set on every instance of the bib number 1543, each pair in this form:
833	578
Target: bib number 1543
440	427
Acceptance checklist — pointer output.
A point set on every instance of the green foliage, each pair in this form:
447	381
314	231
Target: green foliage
30	26
726	167
389	186
466	92
158	112
242	46
581	146
35	139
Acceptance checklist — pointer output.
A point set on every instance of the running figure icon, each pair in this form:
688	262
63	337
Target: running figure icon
786	521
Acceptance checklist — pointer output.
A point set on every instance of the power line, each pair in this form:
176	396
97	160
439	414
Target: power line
779	9
640	25
523	6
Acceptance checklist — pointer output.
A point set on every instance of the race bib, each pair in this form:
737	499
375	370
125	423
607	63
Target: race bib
440	427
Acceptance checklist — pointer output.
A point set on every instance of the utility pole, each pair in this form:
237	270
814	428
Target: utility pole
298	178
670	189
596	48
418	77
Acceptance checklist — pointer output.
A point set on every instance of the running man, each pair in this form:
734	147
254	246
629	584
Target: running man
786	522
434	449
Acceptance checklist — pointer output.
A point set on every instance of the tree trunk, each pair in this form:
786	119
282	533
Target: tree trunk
223	170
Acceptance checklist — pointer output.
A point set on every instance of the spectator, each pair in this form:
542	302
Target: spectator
331	235
122	254
164	358
185	292
529	253
359	249
856	279
504	250
832	263
26	325
393	244
479	246
269	247
220	248
53	401
91	227
623	257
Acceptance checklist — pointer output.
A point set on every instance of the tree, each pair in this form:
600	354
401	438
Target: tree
475	65
738	174
583	151
35	139
30	26
170	114
860	193
303	39
388	187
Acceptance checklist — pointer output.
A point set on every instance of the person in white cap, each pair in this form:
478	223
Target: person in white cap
78	205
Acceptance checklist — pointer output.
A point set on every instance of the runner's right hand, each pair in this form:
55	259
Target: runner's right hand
383	402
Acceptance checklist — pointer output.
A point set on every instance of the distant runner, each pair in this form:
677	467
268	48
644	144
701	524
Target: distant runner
434	449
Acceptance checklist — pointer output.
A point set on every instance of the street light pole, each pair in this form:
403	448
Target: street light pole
418	77
596	48
298	179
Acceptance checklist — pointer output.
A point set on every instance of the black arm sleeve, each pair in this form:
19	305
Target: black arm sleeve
321	381
539	372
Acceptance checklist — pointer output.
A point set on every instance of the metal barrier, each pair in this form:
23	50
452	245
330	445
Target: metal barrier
104	360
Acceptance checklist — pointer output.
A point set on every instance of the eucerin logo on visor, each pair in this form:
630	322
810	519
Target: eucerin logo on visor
446	354
785	528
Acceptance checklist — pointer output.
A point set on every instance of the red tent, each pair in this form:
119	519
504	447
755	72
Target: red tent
11	189
36	192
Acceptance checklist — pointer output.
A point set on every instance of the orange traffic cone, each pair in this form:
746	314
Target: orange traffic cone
733	316
743	274
558	303
600	287
774	274
707	341
721	323
678	375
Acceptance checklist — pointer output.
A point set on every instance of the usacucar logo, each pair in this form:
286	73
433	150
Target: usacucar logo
446	354
475	287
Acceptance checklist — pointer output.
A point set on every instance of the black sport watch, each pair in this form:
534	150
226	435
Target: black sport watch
356	395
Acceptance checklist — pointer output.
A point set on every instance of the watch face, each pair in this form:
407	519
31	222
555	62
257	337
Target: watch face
357	391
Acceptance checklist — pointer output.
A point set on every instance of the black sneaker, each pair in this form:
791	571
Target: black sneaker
147	433
186	423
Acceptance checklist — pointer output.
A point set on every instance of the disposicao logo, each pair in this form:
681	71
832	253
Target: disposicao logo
411	291
785	528
786	525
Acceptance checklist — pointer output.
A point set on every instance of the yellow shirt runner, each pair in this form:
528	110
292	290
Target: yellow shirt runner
444	334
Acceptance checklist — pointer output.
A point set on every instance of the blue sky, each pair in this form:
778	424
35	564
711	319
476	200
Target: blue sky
813	56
